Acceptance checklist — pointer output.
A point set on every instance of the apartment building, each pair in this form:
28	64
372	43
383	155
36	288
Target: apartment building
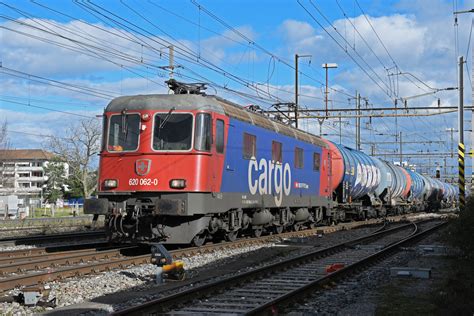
22	173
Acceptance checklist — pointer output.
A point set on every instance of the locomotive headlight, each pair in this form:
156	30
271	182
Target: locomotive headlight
178	183
110	183
146	117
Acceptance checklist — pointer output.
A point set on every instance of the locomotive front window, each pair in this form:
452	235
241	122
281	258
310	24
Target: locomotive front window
173	131
124	130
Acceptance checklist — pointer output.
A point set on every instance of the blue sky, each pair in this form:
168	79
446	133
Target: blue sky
117	47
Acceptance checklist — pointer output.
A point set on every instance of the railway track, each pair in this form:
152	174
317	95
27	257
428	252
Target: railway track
39	265
268	289
38	239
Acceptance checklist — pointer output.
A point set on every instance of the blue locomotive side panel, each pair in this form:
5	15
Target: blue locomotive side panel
262	176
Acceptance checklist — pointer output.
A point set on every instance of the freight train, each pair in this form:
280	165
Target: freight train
185	168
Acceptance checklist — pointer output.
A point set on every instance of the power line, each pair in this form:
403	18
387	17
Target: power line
353	48
46	108
342	47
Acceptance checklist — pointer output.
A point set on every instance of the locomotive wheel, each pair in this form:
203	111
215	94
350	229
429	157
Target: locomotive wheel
199	239
257	232
231	236
278	229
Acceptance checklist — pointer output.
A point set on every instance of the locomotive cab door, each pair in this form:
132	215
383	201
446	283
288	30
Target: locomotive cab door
218	150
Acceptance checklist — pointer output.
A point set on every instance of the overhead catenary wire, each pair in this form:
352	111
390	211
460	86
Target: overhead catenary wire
353	48
47	108
342	47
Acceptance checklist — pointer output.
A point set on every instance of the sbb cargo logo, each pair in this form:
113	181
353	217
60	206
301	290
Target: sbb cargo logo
266	177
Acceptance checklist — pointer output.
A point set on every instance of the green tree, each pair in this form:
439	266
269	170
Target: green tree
55	171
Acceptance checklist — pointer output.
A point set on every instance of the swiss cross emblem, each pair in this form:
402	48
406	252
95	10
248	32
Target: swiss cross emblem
142	166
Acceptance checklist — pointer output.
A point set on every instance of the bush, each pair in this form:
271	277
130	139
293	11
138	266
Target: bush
462	230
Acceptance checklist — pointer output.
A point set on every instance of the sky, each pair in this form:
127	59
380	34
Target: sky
63	61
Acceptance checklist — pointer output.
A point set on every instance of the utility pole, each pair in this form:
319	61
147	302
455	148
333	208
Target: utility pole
171	65
296	90
452	140
296	86
358	121
401	150
461	149
327	66
340	130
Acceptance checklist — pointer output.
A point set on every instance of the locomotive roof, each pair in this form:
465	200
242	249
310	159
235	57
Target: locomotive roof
208	103
164	101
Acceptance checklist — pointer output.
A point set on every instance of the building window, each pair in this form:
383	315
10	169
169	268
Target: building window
220	136
276	152
299	158
36	174
316	161
250	146
25	185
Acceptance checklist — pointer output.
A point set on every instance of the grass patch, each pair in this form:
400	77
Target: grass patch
461	232
455	296
59	212
400	302
452	295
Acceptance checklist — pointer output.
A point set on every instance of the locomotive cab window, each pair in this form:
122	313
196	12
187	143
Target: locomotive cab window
124	131
172	131
250	146
220	136
276	152
203	138
299	158
316	161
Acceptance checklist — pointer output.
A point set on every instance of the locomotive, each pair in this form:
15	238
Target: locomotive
188	167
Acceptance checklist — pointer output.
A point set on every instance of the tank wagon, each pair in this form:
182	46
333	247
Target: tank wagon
184	168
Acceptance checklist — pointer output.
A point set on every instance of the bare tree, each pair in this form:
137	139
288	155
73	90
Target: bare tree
4	135
4	144
79	149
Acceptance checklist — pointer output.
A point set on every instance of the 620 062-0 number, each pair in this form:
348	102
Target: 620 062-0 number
142	181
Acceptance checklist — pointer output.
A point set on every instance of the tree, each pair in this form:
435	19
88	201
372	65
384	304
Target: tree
4	144
4	135
56	172
79	149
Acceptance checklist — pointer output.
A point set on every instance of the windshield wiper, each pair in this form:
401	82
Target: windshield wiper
124	123
162	124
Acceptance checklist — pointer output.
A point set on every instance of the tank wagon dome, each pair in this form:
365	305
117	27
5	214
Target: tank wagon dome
385	177
398	183
407	187
427	187
417	184
337	164
360	172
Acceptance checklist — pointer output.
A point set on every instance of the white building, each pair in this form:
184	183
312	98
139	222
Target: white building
22	173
